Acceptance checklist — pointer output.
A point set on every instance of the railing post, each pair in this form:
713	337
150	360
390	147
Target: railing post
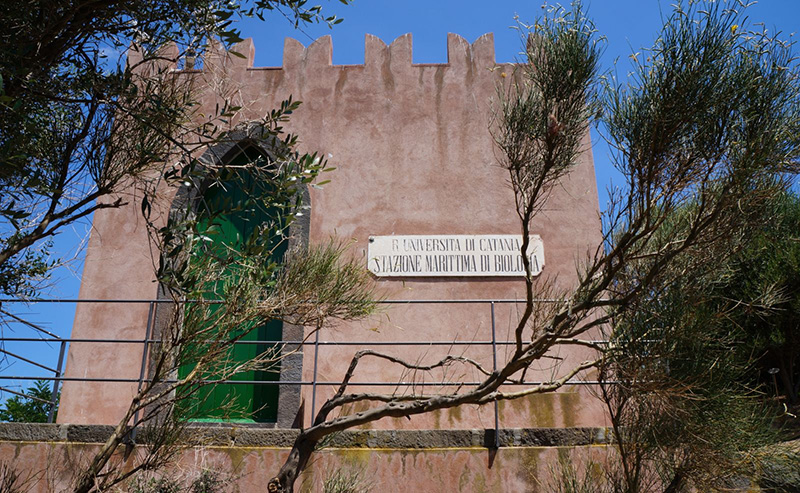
145	345
314	378
56	381
494	368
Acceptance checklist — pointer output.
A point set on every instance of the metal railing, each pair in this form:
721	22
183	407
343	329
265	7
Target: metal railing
57	371
58	377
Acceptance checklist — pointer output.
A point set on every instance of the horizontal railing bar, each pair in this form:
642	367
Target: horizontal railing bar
467	300
5	389
386	302
301	382
88	300
288	343
36	339
146	340
22	358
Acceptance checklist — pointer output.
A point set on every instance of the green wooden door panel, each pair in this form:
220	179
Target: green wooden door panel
240	402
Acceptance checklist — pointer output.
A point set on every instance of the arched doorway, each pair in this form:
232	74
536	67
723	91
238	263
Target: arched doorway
252	402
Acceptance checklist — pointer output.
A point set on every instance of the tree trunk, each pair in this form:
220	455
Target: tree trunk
676	485
301	451
86	481
785	364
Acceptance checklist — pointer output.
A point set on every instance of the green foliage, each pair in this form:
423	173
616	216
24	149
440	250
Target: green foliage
157	485
301	12
704	136
21	274
779	467
689	357
543	113
762	296
682	411
324	282
345	481
709	91
207	481
18	409
77	123
569	476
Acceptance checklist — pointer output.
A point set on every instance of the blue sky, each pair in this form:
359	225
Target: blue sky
628	26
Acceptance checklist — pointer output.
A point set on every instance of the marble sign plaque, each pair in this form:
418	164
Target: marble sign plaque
452	255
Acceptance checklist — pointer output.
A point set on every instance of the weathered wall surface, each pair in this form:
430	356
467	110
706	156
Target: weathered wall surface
444	462
414	155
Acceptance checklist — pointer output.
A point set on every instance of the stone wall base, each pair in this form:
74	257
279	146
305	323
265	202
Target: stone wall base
49	456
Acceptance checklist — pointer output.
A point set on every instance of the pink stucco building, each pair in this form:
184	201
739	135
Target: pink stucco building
414	157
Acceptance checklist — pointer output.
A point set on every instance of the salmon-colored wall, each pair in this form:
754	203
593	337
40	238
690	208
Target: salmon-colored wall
414	155
47	467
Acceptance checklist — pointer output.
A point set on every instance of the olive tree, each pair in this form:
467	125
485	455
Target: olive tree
78	124
83	128
218	292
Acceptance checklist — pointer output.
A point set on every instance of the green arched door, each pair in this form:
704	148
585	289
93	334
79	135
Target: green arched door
240	402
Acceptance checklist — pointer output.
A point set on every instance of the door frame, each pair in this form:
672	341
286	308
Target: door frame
252	135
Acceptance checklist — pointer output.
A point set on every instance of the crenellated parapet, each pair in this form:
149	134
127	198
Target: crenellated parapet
318	54
389	87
